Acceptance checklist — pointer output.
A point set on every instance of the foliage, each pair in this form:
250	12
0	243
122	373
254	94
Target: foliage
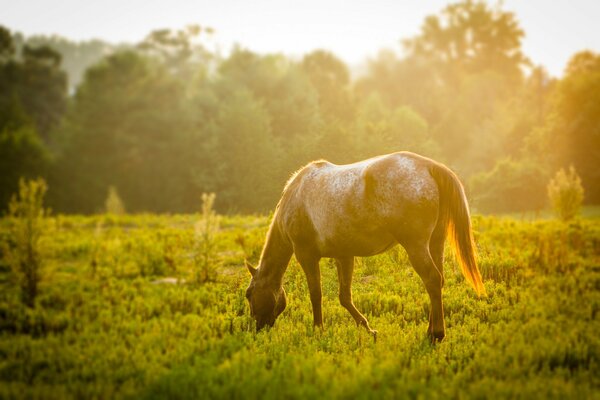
77	56
22	155
576	137
117	334
167	119
178	51
470	37
41	87
566	193
26	215
32	102
510	186
113	131
242	123
331	79
380	130
32	85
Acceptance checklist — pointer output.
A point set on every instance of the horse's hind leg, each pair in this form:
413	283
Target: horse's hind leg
345	269
436	247
422	262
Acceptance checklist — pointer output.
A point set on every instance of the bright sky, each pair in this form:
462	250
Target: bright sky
352	29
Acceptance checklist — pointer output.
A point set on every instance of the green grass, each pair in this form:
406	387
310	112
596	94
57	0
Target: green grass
588	212
102	329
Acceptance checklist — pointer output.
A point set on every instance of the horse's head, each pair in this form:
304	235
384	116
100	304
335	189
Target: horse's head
265	302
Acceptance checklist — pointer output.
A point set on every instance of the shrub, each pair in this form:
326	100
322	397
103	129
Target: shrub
566	193
27	214
114	204
510	186
205	231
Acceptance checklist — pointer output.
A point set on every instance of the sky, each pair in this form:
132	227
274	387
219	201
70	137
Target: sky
353	30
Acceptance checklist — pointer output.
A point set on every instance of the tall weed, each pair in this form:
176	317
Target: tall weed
205	233
26	212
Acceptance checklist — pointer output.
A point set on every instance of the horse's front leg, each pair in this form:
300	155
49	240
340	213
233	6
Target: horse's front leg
345	269
310	265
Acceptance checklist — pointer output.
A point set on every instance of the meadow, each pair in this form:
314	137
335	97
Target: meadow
107	324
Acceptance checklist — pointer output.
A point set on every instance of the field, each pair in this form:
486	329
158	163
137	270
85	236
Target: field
107	324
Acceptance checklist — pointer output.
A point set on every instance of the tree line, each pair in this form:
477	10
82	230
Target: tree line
166	120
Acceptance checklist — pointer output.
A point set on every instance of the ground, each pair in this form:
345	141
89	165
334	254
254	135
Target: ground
107	324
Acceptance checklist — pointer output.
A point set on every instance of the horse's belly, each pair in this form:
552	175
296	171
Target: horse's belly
355	243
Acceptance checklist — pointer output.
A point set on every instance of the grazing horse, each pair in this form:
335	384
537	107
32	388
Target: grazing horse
363	209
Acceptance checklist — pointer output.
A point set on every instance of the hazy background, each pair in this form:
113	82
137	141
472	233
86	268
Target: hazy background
351	29
127	100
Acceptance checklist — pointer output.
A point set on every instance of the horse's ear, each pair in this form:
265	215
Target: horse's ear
251	269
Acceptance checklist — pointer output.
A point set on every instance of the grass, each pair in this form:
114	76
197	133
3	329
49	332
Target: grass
103	327
587	212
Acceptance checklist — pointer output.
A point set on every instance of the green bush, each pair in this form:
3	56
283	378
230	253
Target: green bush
566	193
510	186
26	212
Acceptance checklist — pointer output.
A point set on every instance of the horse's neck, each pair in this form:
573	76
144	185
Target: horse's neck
275	256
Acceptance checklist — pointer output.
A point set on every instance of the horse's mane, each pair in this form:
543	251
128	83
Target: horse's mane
296	177
294	181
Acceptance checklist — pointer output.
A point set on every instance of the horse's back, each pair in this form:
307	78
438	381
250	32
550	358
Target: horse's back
399	181
358	207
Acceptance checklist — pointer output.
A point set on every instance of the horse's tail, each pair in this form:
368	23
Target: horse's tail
454	214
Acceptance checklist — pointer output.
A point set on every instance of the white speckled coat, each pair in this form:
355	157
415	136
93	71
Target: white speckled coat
362	209
359	209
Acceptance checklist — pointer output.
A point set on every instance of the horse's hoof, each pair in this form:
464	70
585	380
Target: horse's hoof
436	337
374	333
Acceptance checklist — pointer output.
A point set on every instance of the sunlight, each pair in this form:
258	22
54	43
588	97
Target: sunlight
322	199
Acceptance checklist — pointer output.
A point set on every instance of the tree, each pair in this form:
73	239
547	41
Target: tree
244	159
380	130
32	87
43	88
177	50
288	97
465	132
583	62
127	127
576	137
527	111
7	47
474	53
512	185
32	100
407	81
22	155
464	67
76	56
330	78
469	37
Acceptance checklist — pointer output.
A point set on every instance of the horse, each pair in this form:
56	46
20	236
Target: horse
363	209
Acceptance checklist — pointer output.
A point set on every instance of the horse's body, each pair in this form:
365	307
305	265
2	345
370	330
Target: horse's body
363	209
